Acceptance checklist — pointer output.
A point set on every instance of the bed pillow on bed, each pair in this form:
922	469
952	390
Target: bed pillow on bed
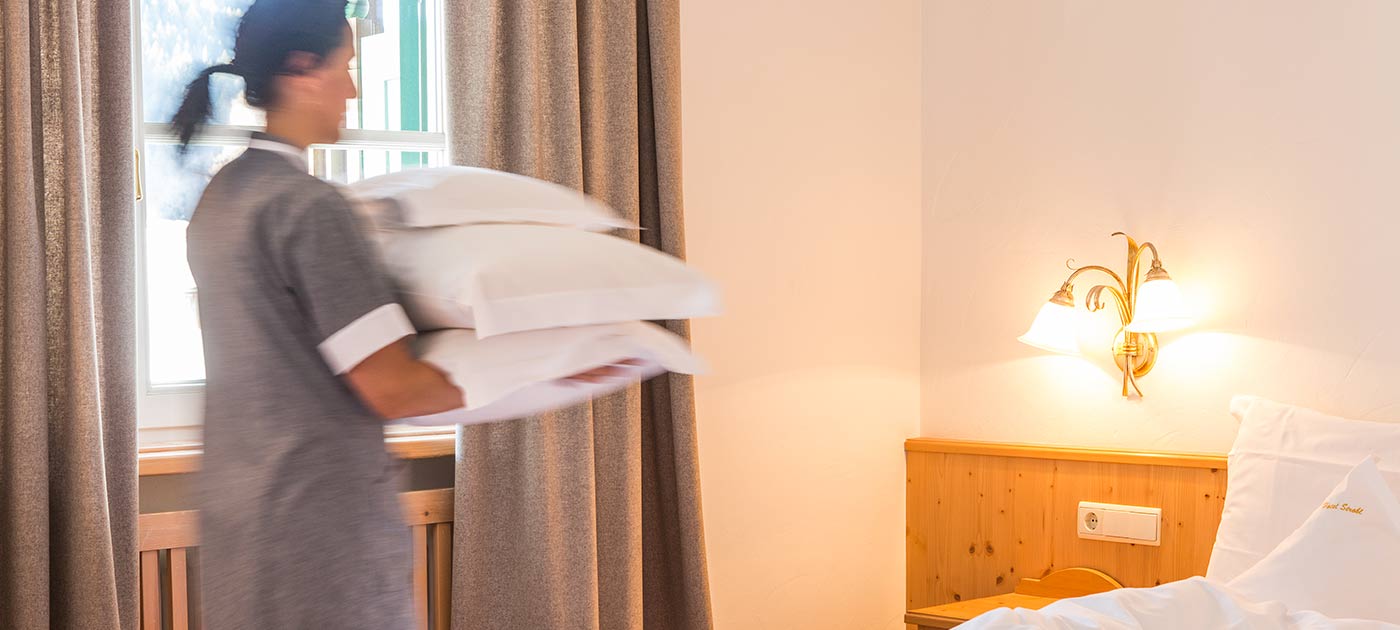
1332	563
514	376
462	195
502	279
1283	463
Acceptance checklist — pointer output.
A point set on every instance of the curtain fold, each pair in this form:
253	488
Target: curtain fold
588	517
68	474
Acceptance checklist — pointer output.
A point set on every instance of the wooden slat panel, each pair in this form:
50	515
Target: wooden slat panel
919	525
179	591
150	590
178	532
196	597
1033	451
1191	500
420	575
979	523
425	507
175	530
168	530
994	528
441	579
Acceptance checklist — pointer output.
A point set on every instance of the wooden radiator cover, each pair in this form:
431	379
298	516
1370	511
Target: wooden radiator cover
169	572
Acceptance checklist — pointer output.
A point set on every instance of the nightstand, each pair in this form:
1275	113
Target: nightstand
1030	593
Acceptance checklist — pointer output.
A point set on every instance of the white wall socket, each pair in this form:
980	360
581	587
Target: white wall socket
1120	523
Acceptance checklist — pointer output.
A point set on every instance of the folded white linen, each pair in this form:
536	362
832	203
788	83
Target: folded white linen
513	376
462	195
500	279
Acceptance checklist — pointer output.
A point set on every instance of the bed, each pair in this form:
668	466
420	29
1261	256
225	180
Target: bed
1308	537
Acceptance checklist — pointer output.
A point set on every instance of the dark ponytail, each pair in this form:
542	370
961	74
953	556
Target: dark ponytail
270	31
194	110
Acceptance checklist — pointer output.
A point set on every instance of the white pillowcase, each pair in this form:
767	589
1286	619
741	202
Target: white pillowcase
461	195
501	279
1337	561
1283	463
519	375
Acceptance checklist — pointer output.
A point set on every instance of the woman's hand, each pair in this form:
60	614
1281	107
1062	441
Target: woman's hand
616	371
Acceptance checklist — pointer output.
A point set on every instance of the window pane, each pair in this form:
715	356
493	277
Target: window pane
352	165
397	66
173	188
180	38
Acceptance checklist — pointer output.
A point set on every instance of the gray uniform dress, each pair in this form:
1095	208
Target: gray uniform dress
300	523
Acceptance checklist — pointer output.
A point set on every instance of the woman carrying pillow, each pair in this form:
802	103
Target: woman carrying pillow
306	354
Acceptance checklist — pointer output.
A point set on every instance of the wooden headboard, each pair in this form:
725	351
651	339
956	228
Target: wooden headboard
981	516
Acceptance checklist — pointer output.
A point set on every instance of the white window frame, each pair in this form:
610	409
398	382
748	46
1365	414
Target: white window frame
168	414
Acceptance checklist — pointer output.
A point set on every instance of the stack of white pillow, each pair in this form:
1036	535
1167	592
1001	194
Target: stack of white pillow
514	287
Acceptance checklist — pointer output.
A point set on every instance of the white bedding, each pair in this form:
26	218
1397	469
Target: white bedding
1193	603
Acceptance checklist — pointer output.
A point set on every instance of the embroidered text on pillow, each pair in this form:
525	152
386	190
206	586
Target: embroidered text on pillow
1345	507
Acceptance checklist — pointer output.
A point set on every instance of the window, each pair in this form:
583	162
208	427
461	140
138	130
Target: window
395	123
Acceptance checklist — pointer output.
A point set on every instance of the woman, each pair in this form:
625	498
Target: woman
306	354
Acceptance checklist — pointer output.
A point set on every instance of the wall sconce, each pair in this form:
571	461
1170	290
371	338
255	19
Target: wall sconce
1146	306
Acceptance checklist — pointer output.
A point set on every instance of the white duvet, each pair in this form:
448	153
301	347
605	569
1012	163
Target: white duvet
1193	603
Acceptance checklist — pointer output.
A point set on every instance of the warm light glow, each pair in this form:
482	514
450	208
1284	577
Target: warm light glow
1159	308
1053	330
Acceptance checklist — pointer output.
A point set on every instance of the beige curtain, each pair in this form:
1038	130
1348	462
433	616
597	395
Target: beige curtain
588	518
67	410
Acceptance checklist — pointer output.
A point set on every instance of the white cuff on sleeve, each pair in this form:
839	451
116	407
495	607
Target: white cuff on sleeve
365	336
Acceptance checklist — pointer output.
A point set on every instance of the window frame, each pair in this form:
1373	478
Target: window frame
173	413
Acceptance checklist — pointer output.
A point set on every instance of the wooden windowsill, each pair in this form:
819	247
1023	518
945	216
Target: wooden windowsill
183	457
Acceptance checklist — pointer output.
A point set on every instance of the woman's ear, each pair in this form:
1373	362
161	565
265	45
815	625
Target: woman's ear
297	83
300	62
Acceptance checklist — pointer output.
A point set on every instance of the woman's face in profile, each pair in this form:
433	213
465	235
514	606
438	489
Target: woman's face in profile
319	93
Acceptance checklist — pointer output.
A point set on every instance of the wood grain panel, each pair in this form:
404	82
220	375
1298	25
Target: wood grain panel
151	618
1065	453
179	590
425	507
979	521
168	530
178	458
420	576
442	577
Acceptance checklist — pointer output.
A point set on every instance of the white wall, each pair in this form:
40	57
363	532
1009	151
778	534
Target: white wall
1256	142
801	124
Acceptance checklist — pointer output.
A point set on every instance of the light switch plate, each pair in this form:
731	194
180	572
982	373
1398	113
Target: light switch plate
1120	523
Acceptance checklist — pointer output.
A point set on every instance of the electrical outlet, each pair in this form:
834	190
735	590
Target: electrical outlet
1120	523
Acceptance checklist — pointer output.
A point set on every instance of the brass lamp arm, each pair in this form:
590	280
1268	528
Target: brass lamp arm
1079	270
1094	302
1135	268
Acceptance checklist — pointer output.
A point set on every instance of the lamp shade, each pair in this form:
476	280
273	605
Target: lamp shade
1053	329
1159	308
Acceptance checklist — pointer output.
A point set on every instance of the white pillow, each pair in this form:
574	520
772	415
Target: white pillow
519	375
1337	561
1284	462
501	279
461	195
